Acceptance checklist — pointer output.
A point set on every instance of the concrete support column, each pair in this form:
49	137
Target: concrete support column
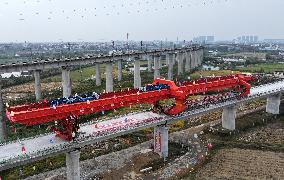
273	103
137	77
3	132
187	62
160	62
119	70
98	75
161	136
66	82
199	57
167	59
73	165
176	57
191	59
37	84
195	59
149	59
180	63
229	117
171	66
156	67
109	77
202	55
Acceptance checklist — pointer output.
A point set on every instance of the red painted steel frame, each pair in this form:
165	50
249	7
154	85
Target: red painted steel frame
37	113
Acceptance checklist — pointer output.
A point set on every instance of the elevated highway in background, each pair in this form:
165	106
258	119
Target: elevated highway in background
40	147
68	62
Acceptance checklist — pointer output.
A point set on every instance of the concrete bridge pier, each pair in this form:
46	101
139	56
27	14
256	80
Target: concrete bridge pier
73	165
149	60
187	62
191	59
195	59
119	70
273	104
160	62
3	132
37	84
161	136
156	66
200	57
98	75
171	66
66	82
176	57
229	117
180	63
167	59
137	77
109	77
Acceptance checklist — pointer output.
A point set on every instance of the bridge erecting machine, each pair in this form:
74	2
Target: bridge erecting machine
65	111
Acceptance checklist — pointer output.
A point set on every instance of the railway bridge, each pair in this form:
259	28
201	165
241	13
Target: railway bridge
40	147
187	59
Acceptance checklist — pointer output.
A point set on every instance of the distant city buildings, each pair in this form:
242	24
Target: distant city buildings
204	39
247	39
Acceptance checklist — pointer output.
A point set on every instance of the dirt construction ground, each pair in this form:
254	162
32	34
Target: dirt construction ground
244	164
255	153
271	134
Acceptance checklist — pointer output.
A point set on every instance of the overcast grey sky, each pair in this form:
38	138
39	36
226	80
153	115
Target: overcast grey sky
105	20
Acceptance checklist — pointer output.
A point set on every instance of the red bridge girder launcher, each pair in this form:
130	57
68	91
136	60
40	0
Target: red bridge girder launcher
67	114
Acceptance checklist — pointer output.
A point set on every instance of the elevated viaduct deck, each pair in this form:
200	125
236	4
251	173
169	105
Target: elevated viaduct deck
40	147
